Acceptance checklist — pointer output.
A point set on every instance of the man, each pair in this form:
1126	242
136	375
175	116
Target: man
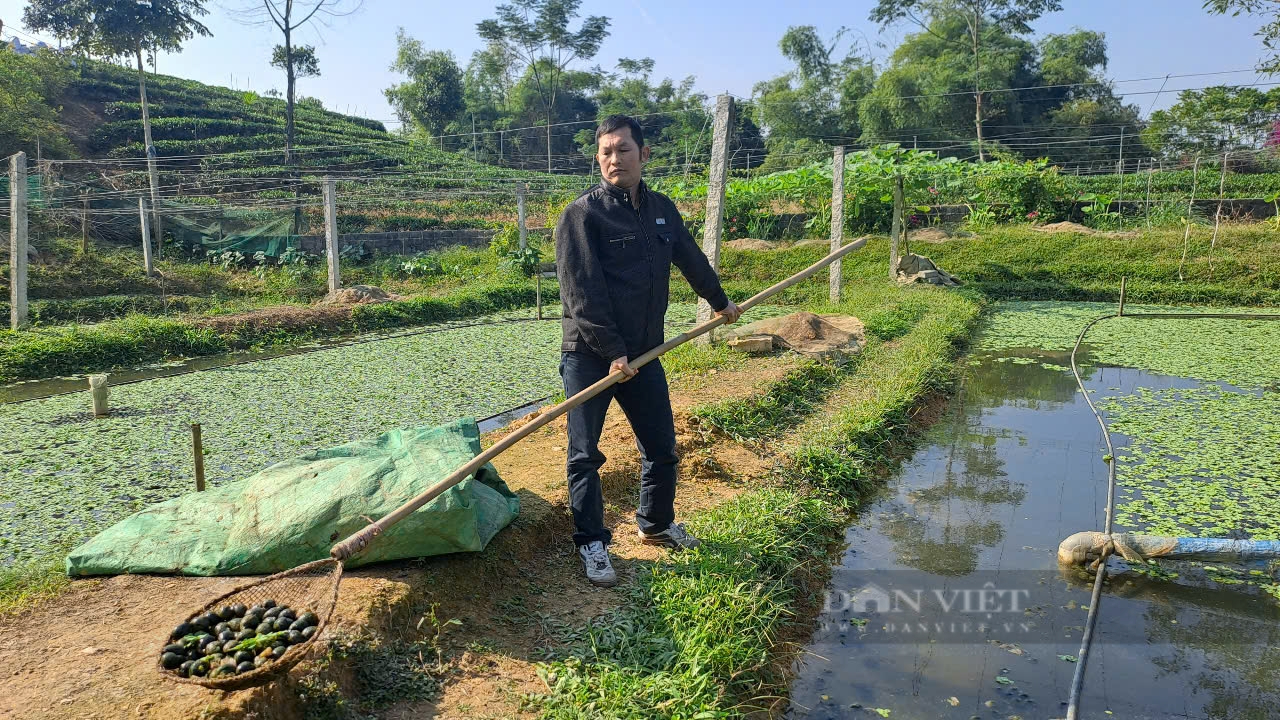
614	249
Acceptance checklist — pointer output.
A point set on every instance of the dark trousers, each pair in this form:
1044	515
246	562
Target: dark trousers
647	404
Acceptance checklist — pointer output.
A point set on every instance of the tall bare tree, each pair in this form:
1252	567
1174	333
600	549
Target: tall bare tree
290	16
979	15
124	28
537	32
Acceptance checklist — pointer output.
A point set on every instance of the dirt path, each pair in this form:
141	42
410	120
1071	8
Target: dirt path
88	653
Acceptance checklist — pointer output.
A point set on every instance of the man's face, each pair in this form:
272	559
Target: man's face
620	159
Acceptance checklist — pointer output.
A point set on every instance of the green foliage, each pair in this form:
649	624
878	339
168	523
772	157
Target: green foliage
106	28
305	63
1212	121
31	93
1269	32
432	96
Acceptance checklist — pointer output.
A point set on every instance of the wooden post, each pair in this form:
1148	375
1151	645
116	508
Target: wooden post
837	217
714	225
18	317
1120	312
84	225
145	219
521	190
331	232
1151	174
895	230
1120	167
1186	235
1217	215
99	392
538	291
197	448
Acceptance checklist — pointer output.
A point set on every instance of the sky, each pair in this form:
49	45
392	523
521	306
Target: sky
727	45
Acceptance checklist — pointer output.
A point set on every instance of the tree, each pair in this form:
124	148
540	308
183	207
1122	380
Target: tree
290	16
1269	32
817	101
433	95
537	33
980	16
31	88
123	28
1214	120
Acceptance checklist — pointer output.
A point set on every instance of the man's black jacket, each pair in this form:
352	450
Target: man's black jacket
614	262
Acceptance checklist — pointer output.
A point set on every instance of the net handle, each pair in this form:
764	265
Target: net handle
361	538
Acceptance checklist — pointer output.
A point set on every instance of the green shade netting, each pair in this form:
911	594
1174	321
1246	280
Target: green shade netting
292	512
221	230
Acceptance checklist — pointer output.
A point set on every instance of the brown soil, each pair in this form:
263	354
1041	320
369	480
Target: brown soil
359	295
808	333
1077	228
750	244
89	652
284	317
935	236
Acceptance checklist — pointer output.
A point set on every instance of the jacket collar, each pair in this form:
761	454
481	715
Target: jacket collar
642	190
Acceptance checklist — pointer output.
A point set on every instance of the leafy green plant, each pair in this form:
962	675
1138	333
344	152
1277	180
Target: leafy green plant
981	216
422	265
524	261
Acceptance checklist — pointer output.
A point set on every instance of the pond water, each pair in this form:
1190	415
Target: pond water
948	601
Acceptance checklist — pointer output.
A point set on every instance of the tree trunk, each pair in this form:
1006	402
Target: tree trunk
977	81
291	86
152	172
548	141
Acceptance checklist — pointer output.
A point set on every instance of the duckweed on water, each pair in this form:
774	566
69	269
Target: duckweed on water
67	475
1240	352
1202	462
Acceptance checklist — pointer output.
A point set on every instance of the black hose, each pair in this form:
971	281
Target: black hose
1086	639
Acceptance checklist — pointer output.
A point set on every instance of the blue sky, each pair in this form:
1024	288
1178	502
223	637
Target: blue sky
726	45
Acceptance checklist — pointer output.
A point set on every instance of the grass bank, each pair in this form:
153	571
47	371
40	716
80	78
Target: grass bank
48	352
1017	262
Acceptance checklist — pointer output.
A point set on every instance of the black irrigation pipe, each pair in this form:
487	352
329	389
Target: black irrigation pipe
1086	639
299	351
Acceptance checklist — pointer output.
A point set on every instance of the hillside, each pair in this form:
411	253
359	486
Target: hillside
224	148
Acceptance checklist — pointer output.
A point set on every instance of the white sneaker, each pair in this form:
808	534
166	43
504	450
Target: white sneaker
595	558
674	537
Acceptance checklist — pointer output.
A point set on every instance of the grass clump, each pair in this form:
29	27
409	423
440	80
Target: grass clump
780	407
26	583
698	638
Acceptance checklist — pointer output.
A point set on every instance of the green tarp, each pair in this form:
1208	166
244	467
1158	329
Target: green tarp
293	512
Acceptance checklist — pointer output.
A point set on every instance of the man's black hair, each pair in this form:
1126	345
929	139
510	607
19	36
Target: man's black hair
614	123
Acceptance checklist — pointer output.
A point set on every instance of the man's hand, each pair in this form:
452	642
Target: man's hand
731	311
621	365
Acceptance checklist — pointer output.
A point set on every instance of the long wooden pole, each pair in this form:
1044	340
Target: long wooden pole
360	539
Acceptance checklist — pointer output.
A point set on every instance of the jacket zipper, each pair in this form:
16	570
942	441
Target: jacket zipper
648	254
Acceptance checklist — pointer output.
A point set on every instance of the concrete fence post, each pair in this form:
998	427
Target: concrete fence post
521	190
837	217
18	317
714	226
896	230
331	232
145	218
